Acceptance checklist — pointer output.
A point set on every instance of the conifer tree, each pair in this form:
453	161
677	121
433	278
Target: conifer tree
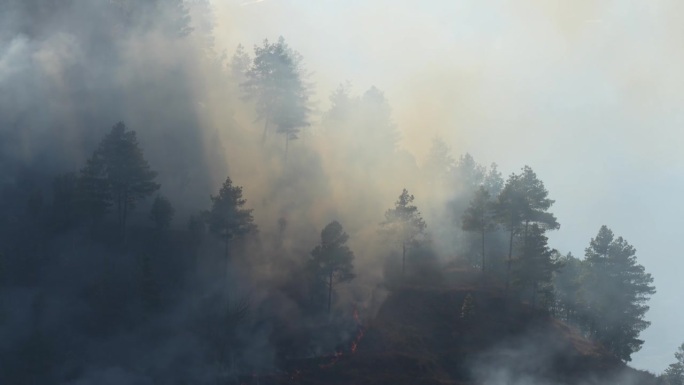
404	225
239	64
616	290
332	259
566	286
275	82
439	162
536	265
117	174
674	374
479	217
523	201
162	212
228	219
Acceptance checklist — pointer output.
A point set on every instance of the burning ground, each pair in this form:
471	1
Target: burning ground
461	331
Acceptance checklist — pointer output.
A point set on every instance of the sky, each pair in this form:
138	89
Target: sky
585	92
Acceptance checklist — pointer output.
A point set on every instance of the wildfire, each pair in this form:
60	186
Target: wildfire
359	334
354	344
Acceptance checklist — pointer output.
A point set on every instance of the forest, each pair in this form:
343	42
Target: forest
173	214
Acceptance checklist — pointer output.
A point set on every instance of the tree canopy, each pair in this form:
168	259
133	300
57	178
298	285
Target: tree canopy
523	201
615	292
227	218
332	260
116	174
404	224
479	217
275	81
674	374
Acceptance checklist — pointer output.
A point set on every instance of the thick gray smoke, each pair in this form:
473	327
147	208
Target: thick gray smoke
71	69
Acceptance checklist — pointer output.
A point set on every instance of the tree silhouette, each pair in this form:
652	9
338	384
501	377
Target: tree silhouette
537	203
567	285
341	104
616	290
227	218
275	81
479	216
523	201
404	225
332	259
93	193
469	174
161	213
536	265
439	163
493	181
239	64
117	174
674	374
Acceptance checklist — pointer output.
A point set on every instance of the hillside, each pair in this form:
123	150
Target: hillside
426	336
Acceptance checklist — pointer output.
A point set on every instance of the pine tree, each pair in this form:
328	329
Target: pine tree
537	203
479	217
566	285
469	174
128	177
523	201
93	193
536	265
332	259
341	104
161	213
493	181
239	64
674	374
117	175
275	82
616	290
439	163
227	218
404	225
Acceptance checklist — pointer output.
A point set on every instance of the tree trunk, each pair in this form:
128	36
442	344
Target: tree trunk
483	249
510	256
330	285
403	257
534	294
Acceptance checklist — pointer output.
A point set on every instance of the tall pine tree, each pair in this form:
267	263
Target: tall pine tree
479	217
228	219
615	289
331	261
404	225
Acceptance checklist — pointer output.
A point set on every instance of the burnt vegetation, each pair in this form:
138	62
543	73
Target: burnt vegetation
136	256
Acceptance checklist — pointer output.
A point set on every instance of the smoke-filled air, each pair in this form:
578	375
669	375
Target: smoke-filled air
279	192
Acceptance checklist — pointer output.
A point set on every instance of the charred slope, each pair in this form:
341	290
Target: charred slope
465	336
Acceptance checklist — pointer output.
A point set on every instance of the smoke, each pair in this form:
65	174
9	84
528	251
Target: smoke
540	357
513	85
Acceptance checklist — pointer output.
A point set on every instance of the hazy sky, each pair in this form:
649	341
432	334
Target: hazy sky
585	92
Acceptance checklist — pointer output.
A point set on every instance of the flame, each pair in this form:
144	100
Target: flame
354	344
359	334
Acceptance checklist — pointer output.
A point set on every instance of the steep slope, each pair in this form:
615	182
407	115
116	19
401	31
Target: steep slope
464	335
